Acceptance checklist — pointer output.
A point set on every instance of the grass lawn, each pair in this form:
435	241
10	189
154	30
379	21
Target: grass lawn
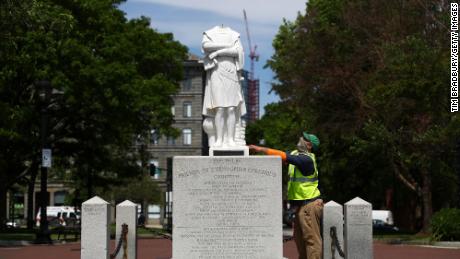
22	234
398	238
11	236
142	232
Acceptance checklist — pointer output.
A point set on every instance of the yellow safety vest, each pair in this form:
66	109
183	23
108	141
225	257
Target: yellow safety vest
302	187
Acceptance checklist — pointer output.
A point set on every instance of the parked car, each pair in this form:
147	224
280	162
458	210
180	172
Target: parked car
384	215
10	224
379	226
59	216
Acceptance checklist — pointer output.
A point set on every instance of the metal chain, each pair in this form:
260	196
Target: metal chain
167	236
162	235
123	239
287	239
335	242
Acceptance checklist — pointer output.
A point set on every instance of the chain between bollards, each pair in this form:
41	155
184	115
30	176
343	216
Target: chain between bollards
335	242
123	240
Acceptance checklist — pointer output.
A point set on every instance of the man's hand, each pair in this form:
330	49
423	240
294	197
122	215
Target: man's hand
256	148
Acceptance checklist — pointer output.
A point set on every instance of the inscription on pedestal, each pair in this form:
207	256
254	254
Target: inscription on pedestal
227	207
358	229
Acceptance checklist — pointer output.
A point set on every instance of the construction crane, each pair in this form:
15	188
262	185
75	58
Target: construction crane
253	84
252	49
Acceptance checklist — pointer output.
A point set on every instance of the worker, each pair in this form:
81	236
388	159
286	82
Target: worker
303	194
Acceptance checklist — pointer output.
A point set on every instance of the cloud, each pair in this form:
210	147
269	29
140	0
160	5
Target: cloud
259	11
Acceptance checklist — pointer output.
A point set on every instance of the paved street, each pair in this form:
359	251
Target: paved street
161	249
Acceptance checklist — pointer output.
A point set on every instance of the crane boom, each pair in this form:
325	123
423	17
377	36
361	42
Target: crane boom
247	30
252	49
252	84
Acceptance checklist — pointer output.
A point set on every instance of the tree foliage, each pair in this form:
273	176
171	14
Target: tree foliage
371	77
112	79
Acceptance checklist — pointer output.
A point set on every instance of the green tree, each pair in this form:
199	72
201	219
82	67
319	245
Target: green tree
112	80
371	77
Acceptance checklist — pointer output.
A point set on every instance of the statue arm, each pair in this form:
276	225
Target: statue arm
209	46
231	52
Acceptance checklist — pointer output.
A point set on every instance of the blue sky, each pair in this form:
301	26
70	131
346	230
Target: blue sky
187	19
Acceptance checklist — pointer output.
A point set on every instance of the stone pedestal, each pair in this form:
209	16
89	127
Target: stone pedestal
95	215
358	229
227	207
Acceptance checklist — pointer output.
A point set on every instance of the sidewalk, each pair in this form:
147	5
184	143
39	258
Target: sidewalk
161	249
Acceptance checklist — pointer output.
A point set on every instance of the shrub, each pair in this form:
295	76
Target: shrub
445	225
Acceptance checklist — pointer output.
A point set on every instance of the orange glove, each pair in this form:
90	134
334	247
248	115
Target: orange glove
269	151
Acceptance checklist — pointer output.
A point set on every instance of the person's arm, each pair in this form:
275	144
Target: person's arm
269	151
303	162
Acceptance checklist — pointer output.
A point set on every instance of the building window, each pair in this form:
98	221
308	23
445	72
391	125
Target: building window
154	212
59	198
154	137
187	84
187	110
187	136
171	141
173	110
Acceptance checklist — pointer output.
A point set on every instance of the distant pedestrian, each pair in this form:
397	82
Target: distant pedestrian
141	220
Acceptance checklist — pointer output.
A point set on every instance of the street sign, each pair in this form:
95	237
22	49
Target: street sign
46	158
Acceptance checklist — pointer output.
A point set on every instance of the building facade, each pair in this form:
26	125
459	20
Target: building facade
192	141
188	103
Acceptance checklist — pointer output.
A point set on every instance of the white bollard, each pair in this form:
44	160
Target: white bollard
332	217
95	229
127	214
358	229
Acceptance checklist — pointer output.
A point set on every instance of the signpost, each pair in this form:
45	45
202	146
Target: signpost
46	158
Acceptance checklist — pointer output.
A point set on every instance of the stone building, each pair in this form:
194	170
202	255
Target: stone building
192	141
188	103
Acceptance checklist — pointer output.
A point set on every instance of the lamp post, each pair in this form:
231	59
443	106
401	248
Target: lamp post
43	235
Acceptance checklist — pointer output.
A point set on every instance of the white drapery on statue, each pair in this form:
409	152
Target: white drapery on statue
223	99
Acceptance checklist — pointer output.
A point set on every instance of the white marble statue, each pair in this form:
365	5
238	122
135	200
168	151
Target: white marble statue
223	98
210	129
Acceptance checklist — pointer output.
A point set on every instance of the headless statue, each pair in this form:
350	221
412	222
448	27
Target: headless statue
223	100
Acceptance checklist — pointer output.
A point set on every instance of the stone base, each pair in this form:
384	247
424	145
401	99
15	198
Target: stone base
229	151
227	207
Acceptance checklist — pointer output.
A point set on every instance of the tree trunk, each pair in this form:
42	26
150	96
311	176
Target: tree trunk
89	183
426	200
2	207
30	196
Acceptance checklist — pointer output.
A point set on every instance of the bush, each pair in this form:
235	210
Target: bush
445	225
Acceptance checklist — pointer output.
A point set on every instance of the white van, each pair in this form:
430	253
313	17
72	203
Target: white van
60	213
384	215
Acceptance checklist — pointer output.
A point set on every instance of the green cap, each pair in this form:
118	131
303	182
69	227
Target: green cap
311	138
